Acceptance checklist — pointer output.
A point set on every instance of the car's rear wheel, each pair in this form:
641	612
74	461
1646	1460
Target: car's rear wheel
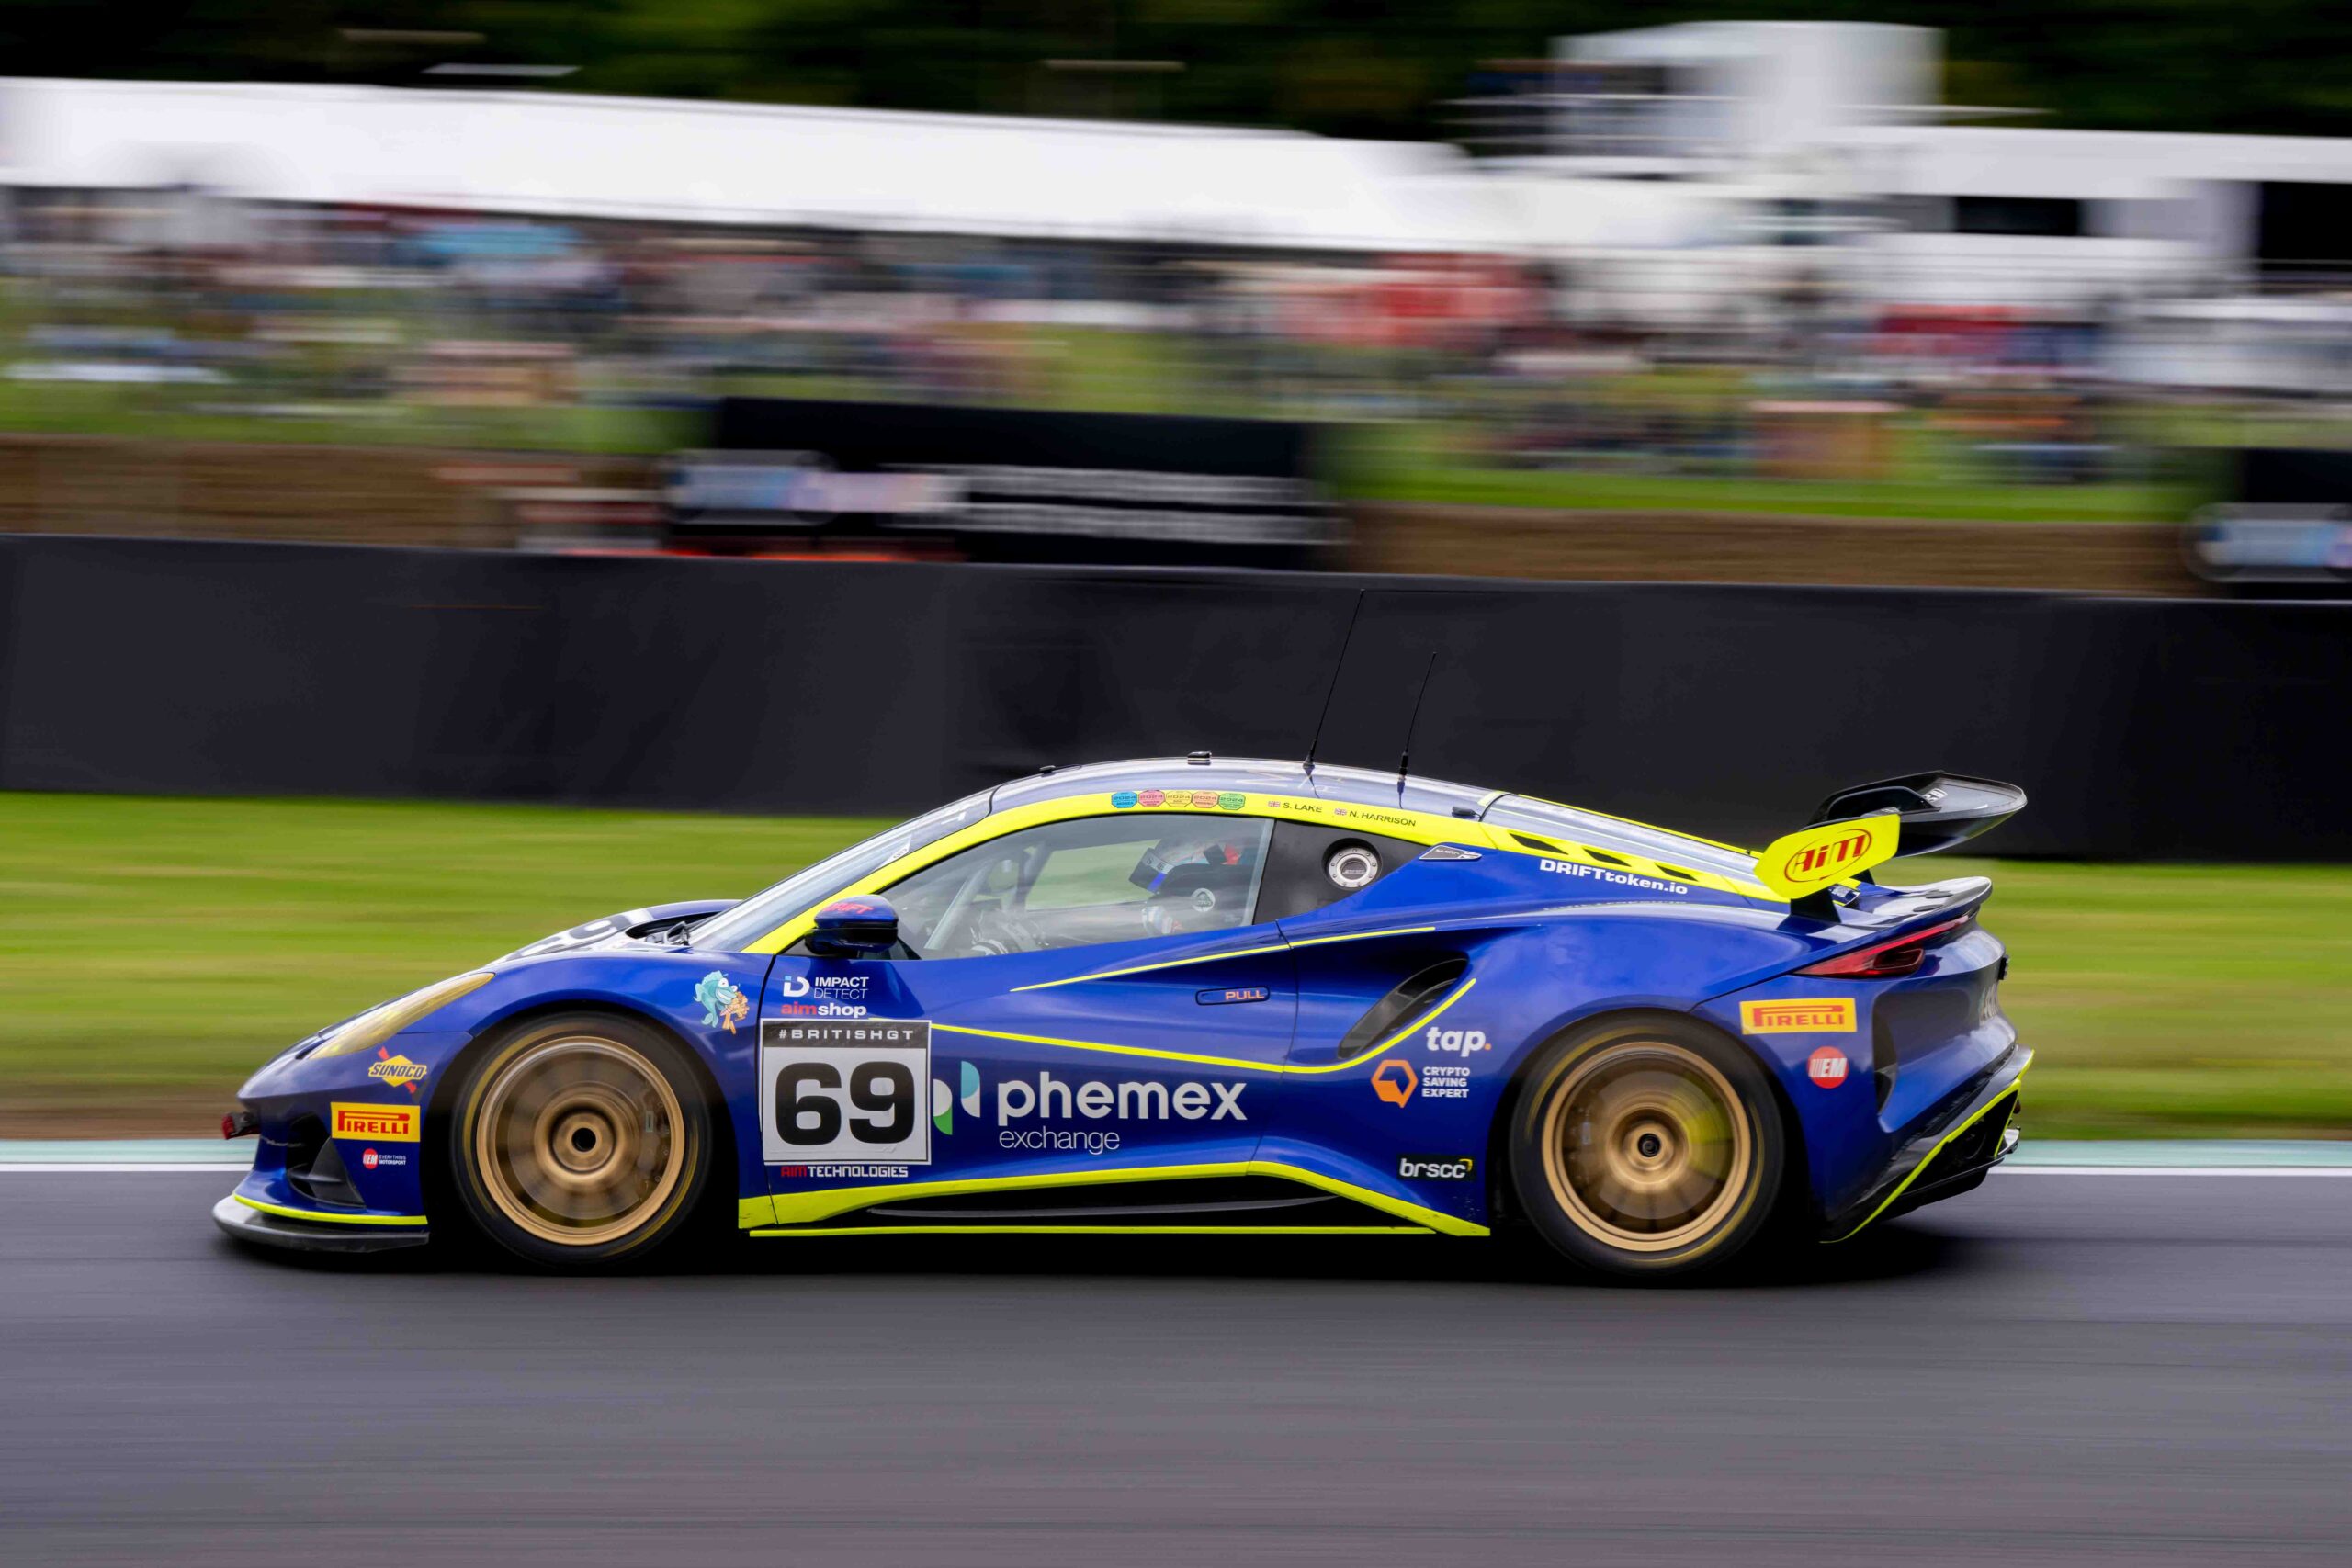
1647	1146
581	1140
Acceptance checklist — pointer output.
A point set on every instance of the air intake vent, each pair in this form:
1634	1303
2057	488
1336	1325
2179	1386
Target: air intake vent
1531	841
1409	1000
1605	858
315	1170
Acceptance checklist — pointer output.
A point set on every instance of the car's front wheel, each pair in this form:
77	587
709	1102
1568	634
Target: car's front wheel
581	1140
1647	1146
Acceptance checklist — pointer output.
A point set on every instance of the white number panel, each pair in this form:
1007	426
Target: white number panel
840	1090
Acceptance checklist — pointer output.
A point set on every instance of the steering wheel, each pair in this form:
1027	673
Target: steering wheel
1002	932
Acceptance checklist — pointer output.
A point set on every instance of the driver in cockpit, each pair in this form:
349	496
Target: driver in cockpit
1196	885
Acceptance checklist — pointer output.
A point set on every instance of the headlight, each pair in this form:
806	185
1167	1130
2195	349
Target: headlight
376	1025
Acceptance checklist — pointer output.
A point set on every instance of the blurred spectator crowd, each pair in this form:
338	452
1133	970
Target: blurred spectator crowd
176	314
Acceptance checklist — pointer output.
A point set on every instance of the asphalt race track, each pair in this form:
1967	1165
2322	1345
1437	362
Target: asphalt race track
2128	1368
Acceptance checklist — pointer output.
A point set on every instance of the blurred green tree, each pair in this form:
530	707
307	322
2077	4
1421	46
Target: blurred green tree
1327	65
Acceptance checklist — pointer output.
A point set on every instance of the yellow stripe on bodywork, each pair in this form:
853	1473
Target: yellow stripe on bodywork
1229	953
1630	822
796	1208
1930	1158
1360	936
1240	1062
328	1219
1148	968
1098	1230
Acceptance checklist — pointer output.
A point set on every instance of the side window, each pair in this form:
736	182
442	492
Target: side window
1089	880
1311	867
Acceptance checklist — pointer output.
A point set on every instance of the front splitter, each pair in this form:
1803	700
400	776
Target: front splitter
248	1225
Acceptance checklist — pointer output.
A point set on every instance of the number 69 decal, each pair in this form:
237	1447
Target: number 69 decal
840	1090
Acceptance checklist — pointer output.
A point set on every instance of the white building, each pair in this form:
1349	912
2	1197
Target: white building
574	156
1694	169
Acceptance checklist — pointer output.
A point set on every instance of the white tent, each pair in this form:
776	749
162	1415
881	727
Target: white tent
564	156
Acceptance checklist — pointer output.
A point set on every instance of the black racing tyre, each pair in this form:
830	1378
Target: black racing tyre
1648	1145
580	1141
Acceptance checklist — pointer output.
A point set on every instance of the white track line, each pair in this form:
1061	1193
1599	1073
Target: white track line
57	1167
60	1168
2174	1170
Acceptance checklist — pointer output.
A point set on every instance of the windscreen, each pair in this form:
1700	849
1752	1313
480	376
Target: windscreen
733	929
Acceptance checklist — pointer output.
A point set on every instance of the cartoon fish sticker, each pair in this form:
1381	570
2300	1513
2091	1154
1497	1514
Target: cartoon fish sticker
722	1004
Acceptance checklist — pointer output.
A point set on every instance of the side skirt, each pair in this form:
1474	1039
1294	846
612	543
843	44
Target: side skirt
1002	1205
1094	1230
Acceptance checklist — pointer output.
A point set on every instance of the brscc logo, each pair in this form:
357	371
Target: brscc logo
1435	1168
1463	1042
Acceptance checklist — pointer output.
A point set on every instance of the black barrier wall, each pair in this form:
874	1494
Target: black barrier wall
2176	729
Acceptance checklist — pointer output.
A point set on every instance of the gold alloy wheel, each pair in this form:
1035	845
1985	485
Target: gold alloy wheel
580	1140
1646	1147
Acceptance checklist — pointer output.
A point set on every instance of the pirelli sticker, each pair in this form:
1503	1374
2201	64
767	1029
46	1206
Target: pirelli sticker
1799	1015
378	1123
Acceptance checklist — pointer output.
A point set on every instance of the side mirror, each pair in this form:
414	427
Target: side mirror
861	926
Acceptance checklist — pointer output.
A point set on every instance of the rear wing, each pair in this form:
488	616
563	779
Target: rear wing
1937	810
1869	824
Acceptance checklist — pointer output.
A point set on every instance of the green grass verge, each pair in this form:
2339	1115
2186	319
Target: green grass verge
152	951
1415	464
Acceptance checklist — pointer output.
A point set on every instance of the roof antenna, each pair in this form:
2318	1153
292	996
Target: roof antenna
1407	754
1333	689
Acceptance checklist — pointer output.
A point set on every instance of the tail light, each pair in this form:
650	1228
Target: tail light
1887	960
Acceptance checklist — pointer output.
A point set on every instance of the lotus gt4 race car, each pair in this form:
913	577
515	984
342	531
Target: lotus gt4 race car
1198	995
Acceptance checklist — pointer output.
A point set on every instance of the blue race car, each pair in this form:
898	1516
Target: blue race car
1198	995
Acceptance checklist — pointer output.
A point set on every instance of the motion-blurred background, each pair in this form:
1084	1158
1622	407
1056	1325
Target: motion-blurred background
1818	394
